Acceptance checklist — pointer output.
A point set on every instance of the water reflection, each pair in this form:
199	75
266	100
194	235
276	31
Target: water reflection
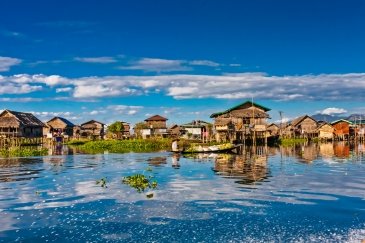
261	194
157	161
248	167
18	169
175	158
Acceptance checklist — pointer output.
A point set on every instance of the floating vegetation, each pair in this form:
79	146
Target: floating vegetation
22	152
102	182
141	183
291	141
125	146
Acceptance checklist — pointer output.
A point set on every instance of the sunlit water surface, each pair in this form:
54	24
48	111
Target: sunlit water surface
307	193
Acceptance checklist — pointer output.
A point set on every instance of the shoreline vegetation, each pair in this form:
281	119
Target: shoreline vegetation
126	146
122	146
22	152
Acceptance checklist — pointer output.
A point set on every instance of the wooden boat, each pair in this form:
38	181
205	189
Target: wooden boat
210	149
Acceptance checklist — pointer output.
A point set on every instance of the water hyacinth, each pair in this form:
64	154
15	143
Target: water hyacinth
140	182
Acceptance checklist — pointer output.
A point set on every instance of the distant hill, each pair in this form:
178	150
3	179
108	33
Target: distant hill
327	118
331	118
356	117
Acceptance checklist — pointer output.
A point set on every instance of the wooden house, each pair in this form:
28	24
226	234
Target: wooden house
197	130
156	126
304	126
273	129
93	129
325	131
245	120
342	129
287	131
20	124
126	129
60	126
175	131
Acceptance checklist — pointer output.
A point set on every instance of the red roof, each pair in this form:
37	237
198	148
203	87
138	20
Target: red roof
156	118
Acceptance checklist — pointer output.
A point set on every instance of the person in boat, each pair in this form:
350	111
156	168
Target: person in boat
175	145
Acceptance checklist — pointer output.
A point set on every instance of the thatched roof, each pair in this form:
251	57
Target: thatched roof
298	120
247	113
156	118
222	122
242	106
84	125
19	119
64	120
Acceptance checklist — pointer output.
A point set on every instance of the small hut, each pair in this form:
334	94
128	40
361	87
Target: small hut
325	131
342	129
20	124
175	131
273	129
93	129
60	125
305	126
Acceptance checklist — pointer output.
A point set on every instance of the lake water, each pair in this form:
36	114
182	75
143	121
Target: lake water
298	194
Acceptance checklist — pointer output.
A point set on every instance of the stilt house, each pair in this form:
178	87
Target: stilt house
20	124
246	120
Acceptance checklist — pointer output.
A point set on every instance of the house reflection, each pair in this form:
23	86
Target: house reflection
326	150
248	167
342	149
306	153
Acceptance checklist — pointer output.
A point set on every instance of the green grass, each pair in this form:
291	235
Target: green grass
291	141
125	146
22	152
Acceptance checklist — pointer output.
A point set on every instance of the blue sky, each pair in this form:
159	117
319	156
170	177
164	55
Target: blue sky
127	60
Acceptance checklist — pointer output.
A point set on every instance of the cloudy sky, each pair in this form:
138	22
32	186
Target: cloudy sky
127	60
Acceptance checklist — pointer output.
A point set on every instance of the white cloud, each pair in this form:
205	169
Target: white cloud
132	112
349	86
7	62
24	99
332	111
66	89
157	65
11	88
235	65
96	59
204	63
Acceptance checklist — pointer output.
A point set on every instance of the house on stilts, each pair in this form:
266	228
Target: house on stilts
20	124
247	120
